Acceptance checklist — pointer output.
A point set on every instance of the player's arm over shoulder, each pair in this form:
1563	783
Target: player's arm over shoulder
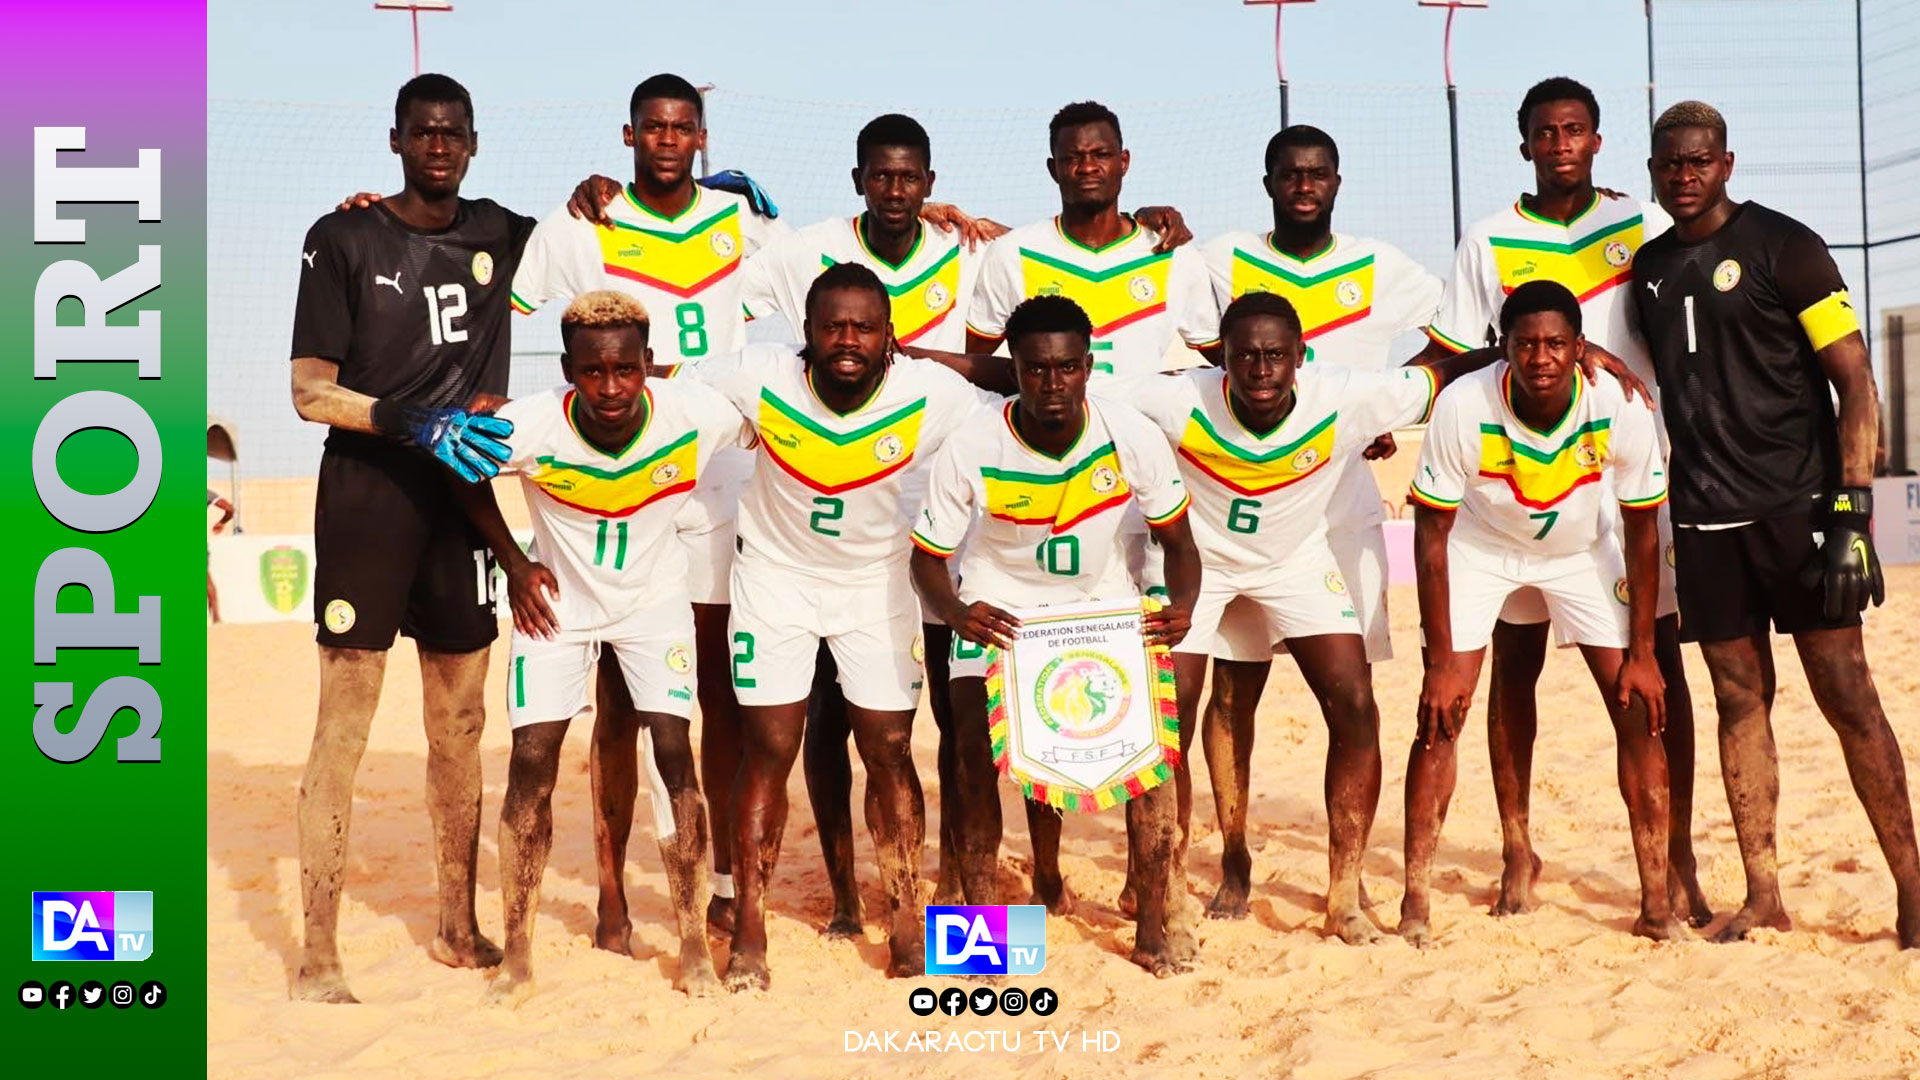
1147	461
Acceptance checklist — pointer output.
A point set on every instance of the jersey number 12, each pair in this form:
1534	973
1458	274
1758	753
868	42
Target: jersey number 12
442	309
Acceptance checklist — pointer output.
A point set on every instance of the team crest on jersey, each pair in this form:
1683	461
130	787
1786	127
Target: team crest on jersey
666	474
1620	590
1349	294
1306	459
1617	254
1103	479
888	448
723	244
679	659
482	267
1335	583
1140	287
936	296
1586	454
338	616
1726	275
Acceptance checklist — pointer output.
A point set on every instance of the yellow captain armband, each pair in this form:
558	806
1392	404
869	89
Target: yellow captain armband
1829	320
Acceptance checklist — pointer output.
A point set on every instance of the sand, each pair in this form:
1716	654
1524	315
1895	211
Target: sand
1562	992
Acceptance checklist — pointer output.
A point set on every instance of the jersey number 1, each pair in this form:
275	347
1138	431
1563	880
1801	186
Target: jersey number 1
448	305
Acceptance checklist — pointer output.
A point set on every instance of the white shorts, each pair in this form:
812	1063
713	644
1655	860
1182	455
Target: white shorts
1361	556
549	680
1305	597
1527	607
709	563
1585	593
780	617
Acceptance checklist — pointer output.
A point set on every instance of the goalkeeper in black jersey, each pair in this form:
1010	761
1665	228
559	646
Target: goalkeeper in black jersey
1749	324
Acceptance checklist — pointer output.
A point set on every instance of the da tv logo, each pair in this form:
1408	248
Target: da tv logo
92	925
986	939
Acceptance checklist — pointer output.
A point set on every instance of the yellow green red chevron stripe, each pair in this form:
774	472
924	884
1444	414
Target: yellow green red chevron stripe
831	461
1325	301
618	492
682	260
1588	266
1248	472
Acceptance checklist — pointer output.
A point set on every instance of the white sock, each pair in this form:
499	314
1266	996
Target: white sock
723	886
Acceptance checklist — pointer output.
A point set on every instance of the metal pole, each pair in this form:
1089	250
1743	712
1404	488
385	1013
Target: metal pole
1453	122
416	41
1866	250
705	167
1280	65
1650	114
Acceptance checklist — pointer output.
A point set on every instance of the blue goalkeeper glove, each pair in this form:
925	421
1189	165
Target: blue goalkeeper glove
741	184
465	442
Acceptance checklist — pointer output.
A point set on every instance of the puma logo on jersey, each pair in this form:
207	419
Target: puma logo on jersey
1020	503
382	279
791	442
308	255
1654	287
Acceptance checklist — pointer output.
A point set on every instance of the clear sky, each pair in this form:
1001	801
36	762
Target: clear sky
910	51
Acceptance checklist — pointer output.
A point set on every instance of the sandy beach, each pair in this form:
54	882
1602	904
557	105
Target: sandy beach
1561	992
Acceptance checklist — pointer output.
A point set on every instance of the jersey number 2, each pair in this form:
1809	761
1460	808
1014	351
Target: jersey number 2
449	304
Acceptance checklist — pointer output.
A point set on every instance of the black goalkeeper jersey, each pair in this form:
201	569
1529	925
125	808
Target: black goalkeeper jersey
1733	324
414	314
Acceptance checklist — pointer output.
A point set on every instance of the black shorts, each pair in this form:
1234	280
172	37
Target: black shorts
1733	582
394	553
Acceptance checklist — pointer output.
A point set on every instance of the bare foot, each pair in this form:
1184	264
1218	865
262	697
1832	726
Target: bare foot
720	915
1161	963
1182	945
1231	901
697	976
1670	928
509	991
1684	893
947	890
1516	887
1417	932
1352	927
905	961
615	938
1054	894
747	972
1753	918
475	953
327	986
843	927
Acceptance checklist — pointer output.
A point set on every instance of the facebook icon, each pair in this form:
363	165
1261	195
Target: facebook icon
986	939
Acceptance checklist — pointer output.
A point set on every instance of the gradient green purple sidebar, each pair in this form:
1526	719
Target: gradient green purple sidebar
134	75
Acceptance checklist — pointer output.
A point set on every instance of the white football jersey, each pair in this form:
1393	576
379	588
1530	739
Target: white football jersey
1139	302
1048	528
684	270
1353	298
824	499
1259	497
929	289
1537	492
1592	255
604	522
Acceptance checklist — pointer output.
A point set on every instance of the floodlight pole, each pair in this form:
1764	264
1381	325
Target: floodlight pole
1650	114
1280	64
1866	239
1453	118
414	10
705	89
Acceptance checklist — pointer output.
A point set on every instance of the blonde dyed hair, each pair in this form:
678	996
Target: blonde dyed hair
603	309
1686	114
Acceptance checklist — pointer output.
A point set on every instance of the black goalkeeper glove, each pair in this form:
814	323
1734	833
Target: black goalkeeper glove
1847	567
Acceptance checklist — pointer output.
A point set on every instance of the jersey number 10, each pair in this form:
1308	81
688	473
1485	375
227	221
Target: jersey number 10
449	304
